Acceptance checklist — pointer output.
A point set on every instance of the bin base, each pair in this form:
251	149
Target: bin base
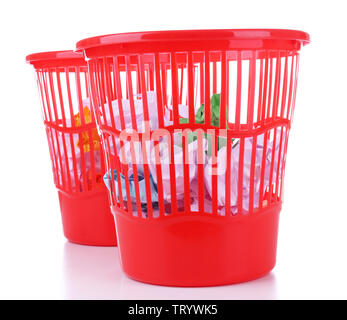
192	250
87	219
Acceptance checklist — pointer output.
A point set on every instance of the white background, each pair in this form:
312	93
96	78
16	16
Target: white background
35	259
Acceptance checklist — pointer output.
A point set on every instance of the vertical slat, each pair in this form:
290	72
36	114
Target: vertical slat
270	90
143	88
251	91
202	83
136	175
130	93
174	81
195	80
119	92
207	90
60	94
240	176
295	86
112	194
41	90
100	76
191	88
138	81
156	144
284	89
224	90
263	109
159	92
277	86
99	103
151	77
214	79
67	79
272	166
283	161
127	188
172	175
227	176
279	162
102	90
186	163
262	174
83	123
251	178
181	84
228	89
79	95
214	139
163	82
159	179
238	92
91	166
290	93
114	80
201	189
73	124
147	78
93	99
144	141
86	83
260	95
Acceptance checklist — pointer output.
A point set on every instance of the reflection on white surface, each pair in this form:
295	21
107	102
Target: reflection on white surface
95	273
91	272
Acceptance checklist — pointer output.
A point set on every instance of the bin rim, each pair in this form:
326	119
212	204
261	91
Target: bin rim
193	35
54	56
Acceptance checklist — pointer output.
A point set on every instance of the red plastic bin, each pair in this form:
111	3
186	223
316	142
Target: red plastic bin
199	207
75	148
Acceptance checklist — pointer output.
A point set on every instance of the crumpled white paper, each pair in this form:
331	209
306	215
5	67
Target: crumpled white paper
192	157
137	146
234	170
139	112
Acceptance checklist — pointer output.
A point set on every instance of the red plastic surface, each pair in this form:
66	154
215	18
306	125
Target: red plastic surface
49	59
87	219
202	37
193	250
255	72
77	159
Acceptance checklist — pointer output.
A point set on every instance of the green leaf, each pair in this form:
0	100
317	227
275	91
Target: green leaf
215	106
183	120
215	121
200	115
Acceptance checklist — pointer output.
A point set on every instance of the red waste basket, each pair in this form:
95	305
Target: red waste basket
75	148
195	126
